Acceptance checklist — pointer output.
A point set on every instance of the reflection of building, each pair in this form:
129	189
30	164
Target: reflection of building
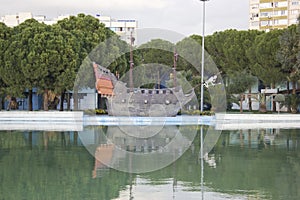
273	14
103	158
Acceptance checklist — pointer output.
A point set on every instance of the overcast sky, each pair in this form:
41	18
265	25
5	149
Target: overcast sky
182	16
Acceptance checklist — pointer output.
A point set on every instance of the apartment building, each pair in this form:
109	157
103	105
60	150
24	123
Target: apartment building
123	27
273	14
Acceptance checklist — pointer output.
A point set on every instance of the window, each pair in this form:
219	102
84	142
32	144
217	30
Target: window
282	21
294	12
266	5
265	14
255	24
282	4
264	23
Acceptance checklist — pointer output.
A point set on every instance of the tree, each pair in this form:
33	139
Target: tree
157	51
5	35
89	33
239	83
22	68
288	55
229	49
263	57
69	61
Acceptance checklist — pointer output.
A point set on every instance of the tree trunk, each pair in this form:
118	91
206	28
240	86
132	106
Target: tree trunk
68	102
288	90
273	102
62	99
2	103
46	100
75	99
262	104
250	100
294	87
30	100
293	103
241	103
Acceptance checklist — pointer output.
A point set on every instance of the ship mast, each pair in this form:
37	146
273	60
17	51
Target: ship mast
131	63
174	68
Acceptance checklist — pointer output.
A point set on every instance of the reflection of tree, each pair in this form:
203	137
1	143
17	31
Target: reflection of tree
63	171
264	173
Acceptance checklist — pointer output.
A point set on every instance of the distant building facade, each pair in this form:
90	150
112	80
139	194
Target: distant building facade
16	19
273	14
122	27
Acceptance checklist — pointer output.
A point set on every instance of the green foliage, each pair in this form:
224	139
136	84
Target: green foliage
293	101
55	165
5	34
95	112
263	57
35	55
228	49
289	55
240	82
197	112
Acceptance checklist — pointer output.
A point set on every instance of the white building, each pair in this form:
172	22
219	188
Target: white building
273	14
16	19
123	27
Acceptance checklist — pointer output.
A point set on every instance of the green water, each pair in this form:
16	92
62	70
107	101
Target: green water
248	164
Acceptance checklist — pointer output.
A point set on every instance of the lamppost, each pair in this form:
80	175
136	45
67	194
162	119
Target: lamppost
201	103
202	58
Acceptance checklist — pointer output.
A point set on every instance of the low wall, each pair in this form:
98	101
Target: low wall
41	120
75	116
257	117
256	121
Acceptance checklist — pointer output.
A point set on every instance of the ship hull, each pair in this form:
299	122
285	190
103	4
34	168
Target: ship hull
144	105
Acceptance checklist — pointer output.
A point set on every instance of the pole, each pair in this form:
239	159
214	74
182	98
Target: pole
131	64
202	58
202	162
174	69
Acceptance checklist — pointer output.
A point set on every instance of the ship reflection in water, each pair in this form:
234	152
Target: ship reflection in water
126	148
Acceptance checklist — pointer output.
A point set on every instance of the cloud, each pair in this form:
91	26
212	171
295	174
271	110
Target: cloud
177	15
105	4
